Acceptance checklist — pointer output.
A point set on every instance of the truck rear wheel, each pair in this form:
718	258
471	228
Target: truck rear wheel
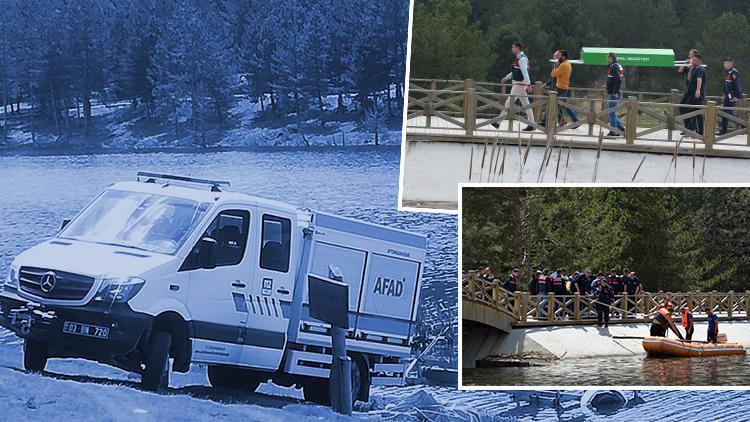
34	355
233	378
318	390
156	375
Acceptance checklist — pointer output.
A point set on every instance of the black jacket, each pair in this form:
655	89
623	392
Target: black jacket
615	75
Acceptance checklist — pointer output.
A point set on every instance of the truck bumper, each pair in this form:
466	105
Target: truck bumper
45	323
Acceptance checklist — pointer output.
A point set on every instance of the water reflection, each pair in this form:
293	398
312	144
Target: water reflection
620	370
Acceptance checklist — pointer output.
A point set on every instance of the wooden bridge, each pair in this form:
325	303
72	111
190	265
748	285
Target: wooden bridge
525	310
465	111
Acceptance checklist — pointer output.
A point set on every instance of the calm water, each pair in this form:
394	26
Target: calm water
622	370
36	193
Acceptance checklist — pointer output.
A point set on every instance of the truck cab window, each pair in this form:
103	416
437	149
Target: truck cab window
229	230
276	242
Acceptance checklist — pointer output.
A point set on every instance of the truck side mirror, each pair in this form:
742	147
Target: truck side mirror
64	224
207	253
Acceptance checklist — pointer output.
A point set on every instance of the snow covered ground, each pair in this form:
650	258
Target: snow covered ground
118	127
75	389
80	390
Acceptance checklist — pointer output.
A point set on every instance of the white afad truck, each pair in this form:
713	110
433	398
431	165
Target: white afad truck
164	271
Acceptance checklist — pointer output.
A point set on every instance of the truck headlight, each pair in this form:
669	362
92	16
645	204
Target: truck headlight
12	281
119	290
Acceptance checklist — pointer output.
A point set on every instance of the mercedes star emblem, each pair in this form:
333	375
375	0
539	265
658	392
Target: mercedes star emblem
48	281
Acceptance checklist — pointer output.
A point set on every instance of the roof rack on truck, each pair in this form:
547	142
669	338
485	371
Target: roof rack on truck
153	177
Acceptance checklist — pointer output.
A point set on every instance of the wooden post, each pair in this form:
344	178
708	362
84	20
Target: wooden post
551	112
642	302
537	90
592	116
747	304
631	120
524	306
690	301
341	373
576	306
673	110
712	299
470	111
730	303
431	102
550	306
517	306
625	305
709	126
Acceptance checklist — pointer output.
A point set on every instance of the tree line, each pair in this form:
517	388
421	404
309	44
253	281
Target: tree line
181	61
676	239
462	39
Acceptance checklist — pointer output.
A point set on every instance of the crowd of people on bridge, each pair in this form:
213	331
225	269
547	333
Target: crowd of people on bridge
694	94
602	290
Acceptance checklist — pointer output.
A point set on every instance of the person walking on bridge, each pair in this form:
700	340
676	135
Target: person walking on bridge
696	94
615	76
732	93
662	322
562	73
519	74
687	69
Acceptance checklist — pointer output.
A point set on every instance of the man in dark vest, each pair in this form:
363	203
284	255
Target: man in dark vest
732	91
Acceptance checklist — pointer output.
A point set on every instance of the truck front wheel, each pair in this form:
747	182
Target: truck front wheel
156	375
34	355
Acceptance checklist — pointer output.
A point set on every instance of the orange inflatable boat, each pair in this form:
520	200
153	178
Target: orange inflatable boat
661	346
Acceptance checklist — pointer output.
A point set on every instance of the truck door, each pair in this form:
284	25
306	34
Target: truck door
272	284
217	296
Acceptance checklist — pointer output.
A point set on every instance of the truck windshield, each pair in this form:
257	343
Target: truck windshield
154	223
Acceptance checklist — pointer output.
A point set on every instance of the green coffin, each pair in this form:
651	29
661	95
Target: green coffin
629	56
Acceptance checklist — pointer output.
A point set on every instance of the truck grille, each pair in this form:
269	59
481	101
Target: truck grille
67	286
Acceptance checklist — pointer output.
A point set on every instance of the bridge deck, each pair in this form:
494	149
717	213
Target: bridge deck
659	142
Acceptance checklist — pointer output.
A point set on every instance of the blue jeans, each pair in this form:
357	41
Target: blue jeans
542	302
563	94
614	101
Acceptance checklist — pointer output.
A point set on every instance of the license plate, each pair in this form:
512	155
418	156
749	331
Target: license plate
87	330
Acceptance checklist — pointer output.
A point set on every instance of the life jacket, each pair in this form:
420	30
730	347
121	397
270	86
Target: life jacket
663	317
685	317
516	71
557	281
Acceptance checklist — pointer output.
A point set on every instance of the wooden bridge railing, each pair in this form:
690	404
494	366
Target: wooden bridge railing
467	108
551	309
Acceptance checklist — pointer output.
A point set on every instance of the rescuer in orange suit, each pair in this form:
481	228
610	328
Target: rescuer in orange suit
662	321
